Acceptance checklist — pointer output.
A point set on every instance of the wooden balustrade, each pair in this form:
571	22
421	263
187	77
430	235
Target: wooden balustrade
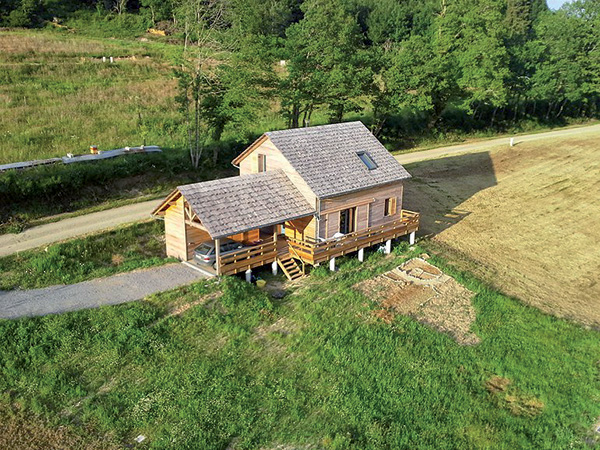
249	257
316	252
313	252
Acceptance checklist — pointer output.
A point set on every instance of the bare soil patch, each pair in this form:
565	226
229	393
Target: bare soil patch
422	291
525	219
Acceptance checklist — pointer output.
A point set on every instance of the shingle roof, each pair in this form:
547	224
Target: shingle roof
326	158
233	205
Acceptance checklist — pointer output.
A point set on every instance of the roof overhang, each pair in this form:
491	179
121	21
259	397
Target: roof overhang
167	202
236	162
234	205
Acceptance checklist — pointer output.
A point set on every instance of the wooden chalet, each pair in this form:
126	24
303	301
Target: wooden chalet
303	196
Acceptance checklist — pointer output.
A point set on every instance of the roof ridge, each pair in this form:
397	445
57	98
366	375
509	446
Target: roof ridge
314	128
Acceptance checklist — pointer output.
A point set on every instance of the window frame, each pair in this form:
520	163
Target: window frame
389	207
367	159
262	162
350	223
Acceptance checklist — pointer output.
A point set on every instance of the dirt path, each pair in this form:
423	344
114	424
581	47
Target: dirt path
121	288
75	226
491	143
102	220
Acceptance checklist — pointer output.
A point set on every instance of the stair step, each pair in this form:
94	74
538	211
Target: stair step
290	267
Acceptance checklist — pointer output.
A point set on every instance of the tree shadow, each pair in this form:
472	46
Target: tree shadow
439	188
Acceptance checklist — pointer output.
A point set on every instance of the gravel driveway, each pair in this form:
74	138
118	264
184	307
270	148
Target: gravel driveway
111	290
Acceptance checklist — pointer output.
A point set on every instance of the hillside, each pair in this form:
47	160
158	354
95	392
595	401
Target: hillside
223	365
526	219
58	97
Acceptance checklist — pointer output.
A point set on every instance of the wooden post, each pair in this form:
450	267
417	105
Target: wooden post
218	255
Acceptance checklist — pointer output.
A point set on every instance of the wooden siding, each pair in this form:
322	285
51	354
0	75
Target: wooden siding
304	228
246	237
175	230
195	237
370	209
276	160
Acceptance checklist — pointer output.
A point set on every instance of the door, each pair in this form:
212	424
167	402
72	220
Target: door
347	219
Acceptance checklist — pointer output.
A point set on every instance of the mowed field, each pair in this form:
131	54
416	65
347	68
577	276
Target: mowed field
525	219
58	97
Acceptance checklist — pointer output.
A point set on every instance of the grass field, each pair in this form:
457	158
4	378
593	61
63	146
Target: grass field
121	250
224	366
58	97
526	219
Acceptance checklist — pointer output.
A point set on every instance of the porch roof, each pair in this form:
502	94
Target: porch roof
233	205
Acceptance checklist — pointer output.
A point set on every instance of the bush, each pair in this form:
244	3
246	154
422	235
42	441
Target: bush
101	24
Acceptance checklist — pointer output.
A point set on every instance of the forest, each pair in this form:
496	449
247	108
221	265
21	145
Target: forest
405	67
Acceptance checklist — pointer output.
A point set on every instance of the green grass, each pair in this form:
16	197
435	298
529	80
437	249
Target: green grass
121	250
58	97
328	375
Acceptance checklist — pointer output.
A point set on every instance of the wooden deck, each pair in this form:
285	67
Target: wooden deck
317	252
312	252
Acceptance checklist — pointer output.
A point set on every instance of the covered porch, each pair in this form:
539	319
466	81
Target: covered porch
250	211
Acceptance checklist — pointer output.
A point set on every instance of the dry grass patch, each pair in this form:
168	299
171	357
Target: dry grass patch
420	290
207	299
509	397
29	433
525	219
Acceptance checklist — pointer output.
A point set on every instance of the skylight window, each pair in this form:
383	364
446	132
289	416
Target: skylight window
367	160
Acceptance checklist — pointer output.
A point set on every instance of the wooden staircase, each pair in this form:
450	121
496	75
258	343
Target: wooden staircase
290	267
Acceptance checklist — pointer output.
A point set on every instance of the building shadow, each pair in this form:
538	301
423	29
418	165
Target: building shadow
440	187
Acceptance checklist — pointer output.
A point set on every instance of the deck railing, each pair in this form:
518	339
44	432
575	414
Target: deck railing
248	257
314	252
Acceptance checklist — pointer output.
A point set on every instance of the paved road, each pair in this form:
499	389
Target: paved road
111	290
102	220
487	144
75	226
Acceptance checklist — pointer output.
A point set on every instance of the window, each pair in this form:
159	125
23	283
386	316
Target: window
262	163
347	218
390	206
367	160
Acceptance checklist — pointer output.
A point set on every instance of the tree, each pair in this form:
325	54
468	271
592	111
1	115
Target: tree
200	21
24	15
475	34
328	64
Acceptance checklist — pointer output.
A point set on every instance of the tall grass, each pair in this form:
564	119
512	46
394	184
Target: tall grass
316	370
59	97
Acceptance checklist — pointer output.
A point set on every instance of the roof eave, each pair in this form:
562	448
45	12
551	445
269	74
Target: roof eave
262	226
238	159
158	211
351	191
